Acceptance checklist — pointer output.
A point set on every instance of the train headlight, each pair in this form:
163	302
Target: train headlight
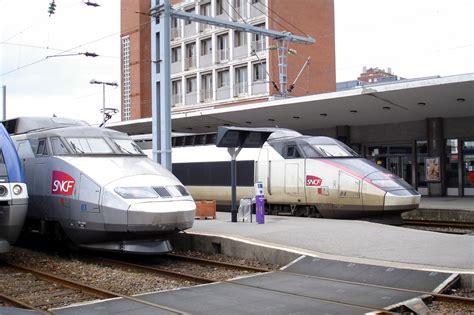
136	192
3	191
385	183
17	189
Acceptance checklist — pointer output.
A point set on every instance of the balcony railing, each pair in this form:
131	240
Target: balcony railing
222	55
175	33
189	63
206	95
240	88
259	45
176	99
240	12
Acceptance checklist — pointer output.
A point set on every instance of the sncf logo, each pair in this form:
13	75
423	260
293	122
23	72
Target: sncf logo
62	184
313	180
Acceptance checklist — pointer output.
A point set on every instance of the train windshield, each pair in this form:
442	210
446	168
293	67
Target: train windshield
127	146
89	146
323	147
333	150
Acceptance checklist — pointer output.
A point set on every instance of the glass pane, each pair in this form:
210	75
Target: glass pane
58	146
89	145
451	163
127	146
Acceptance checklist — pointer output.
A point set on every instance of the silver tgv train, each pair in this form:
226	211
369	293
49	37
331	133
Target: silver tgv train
97	187
302	175
13	193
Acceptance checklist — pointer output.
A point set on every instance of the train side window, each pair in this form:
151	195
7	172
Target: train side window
42	148
292	152
58	146
24	149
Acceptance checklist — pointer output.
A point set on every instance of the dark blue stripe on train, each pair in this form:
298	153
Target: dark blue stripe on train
10	156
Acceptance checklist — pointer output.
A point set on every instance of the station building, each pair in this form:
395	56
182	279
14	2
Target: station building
420	129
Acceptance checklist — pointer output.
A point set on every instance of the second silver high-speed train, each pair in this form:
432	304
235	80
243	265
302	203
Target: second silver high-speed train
95	186
301	175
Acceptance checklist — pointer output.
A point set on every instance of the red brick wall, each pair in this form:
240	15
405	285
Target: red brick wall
316	19
137	26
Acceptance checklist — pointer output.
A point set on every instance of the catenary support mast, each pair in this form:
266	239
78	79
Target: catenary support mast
161	75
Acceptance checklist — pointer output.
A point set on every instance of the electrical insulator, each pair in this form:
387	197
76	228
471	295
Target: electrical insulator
52	8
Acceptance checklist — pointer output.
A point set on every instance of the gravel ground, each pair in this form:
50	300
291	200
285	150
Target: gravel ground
129	281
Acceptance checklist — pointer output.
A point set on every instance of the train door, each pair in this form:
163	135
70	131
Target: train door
88	210
290	173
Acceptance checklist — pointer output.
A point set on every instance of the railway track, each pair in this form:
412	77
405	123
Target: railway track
91	293
451	227
54	291
427	296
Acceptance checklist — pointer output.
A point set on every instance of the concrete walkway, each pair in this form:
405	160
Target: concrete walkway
447	203
351	240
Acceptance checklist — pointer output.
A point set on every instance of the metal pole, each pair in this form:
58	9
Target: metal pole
4	104
103	103
233	181
161	88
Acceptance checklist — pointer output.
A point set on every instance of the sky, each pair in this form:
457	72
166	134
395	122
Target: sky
414	38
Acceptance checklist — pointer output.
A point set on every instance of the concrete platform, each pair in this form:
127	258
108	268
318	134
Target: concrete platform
457	209
350	240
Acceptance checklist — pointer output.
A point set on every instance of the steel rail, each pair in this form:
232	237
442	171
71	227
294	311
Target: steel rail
210	280
156	270
217	263
17	303
87	288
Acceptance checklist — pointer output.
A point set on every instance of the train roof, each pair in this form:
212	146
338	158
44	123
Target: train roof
23	125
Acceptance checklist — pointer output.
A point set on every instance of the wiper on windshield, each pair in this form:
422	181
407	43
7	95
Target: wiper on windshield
75	147
122	148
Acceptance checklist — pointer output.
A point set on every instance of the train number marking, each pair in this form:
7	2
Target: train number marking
62	184
313	180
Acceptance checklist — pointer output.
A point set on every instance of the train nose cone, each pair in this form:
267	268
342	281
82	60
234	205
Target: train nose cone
402	200
162	216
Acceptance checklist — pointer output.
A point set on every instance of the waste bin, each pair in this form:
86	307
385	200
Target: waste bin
244	213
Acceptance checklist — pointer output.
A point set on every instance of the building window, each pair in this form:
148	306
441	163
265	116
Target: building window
190	55
222	78
241	80
176	91
240	38
258	40
174	28
219	7
259	71
191	10
206	46
223	47
126	111
205	9
206	84
175	54
451	163
191	86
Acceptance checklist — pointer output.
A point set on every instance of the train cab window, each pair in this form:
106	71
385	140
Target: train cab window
292	152
58	146
89	146
24	149
42	147
127	146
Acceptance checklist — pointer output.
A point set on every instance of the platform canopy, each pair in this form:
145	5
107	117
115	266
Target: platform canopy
396	102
